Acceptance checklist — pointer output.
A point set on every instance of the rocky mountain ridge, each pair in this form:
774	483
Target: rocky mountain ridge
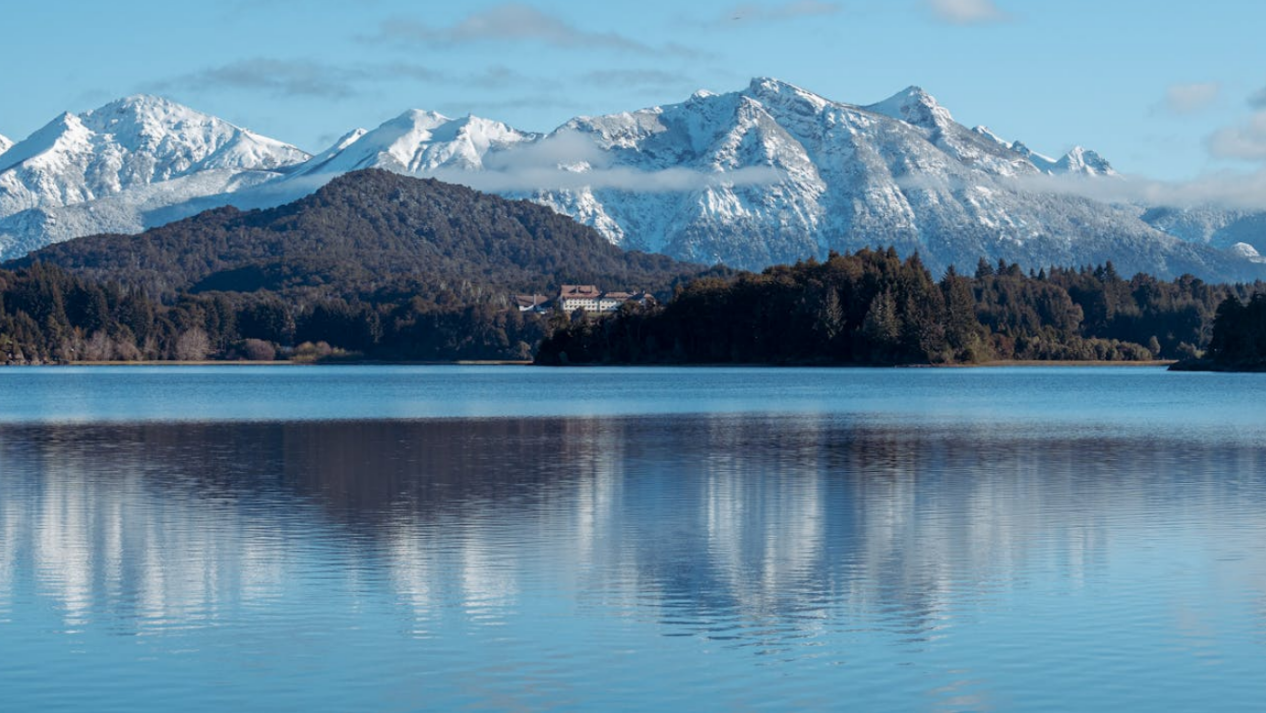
771	173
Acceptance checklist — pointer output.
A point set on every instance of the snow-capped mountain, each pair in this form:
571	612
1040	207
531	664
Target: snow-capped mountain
5	144
839	177
136	153
899	172
1077	162
772	173
419	142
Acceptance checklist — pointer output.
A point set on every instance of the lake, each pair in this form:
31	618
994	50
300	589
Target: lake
504	538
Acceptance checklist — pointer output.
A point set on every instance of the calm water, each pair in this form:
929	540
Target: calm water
399	539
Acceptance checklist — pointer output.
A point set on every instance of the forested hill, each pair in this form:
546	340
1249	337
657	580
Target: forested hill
364	235
874	308
374	264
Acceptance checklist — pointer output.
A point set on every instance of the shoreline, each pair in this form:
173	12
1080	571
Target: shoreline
1083	363
982	365
996	364
280	363
1205	366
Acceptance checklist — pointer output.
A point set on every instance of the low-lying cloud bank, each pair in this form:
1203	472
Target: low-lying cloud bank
1231	190
571	161
670	180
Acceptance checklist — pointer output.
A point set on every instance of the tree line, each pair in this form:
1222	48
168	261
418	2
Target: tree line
1239	337
870	307
874	308
49	315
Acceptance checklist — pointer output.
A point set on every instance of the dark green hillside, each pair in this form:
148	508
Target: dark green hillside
366	234
375	264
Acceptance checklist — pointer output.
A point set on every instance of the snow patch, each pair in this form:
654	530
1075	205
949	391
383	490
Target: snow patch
1246	251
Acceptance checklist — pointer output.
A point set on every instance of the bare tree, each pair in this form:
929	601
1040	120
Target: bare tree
99	347
193	345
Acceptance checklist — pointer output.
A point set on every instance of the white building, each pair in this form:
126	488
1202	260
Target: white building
591	299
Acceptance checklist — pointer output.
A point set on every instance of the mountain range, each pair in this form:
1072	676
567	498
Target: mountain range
768	174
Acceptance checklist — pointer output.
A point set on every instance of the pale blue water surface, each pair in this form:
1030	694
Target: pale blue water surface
468	538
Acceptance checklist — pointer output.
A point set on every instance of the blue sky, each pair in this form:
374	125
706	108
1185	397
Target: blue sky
1169	90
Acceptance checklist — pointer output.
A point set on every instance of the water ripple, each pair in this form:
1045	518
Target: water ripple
734	562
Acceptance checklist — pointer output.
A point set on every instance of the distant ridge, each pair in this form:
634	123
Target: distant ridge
772	173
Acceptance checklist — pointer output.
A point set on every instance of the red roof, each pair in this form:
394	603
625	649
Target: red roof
580	292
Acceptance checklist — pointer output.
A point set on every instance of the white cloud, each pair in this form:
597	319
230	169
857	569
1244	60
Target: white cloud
1228	189
966	12
1233	190
561	148
671	180
1246	142
570	160
1191	98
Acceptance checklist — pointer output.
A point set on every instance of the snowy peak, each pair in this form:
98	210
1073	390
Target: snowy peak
48	146
419	119
148	124
1078	162
346	140
775	92
916	107
5	144
127	146
985	132
418	142
1042	162
146	117
319	162
481	135
140	140
1084	162
1246	251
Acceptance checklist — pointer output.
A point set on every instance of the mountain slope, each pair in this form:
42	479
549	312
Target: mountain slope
118	154
1224	229
418	142
900	172
768	174
5	144
363	232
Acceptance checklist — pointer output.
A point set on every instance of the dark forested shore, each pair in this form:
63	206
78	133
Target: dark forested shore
48	316
1239	338
380	267
868	308
873	308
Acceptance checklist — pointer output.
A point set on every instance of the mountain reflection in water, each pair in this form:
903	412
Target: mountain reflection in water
576	562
